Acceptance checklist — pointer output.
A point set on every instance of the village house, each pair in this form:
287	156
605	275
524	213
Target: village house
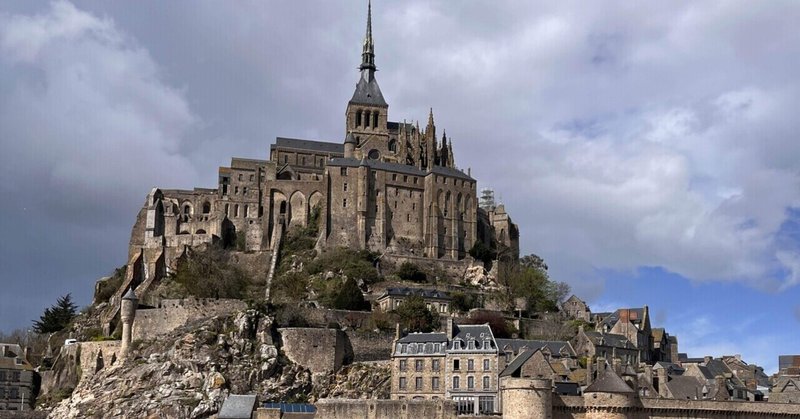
436	301
17	378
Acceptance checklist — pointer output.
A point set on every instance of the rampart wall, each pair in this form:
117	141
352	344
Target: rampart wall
172	314
385	409
322	351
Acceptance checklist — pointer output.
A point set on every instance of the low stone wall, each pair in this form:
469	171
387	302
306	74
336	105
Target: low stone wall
385	409
172	314
322	351
453	269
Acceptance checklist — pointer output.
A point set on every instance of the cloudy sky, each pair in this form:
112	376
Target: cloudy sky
648	151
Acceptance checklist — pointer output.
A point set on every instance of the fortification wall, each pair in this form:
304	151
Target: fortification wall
452	269
322	351
370	346
94	356
574	407
172	314
385	409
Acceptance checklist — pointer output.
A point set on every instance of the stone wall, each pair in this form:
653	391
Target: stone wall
172	314
322	351
370	346
385	409
94	356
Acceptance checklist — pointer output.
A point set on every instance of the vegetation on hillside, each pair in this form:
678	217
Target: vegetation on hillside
209	273
414	315
528	280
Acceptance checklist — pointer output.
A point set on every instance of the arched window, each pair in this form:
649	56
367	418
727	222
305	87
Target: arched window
236	210
246	211
206	207
366	118
393	146
374	120
227	209
358	117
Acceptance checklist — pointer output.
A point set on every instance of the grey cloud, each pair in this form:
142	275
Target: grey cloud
618	135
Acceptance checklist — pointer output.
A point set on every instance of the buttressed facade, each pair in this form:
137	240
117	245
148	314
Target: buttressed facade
389	187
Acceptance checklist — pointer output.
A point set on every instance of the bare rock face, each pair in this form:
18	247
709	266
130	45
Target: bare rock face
368	380
189	373
477	275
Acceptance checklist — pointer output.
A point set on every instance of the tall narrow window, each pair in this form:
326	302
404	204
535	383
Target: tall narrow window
246	211
456	383
358	118
374	120
366	118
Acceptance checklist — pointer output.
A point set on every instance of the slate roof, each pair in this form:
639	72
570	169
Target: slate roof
422	292
609	382
685	388
398	167
477	332
658	333
423	338
515	345
635	315
717	367
516	363
609	339
310	145
238	406
367	91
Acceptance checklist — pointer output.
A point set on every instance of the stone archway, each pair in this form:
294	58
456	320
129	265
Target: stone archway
298	209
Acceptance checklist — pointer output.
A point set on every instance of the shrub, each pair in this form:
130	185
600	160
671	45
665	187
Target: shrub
210	274
463	303
482	252
350	297
353	264
500	327
411	272
289	286
107	288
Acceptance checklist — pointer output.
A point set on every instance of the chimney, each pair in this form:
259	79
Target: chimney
722	389
449	329
648	374
707	359
662	382
589	370
397	331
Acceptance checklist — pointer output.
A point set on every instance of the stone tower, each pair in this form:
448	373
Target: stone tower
127	314
526	398
367	112
609	397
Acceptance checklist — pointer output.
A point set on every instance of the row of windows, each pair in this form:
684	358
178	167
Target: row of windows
13	393
471	382
14	376
319	161
241	177
367	118
418	383
470	365
419	364
236	213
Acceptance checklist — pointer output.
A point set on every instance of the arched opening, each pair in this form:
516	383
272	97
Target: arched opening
358	117
297	206
206	207
283	208
375	120
246	211
236	211
366	118
228	234
393	146
200	231
187	211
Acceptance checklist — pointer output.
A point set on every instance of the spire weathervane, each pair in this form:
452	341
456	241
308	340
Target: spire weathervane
368	52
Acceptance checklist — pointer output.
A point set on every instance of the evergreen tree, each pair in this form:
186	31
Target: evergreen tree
415	316
350	297
56	317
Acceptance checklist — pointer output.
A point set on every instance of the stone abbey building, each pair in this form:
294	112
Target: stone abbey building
390	187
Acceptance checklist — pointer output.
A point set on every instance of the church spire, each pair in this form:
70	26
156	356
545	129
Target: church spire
368	51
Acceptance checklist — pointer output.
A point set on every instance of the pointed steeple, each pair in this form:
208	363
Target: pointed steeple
430	118
368	51
367	90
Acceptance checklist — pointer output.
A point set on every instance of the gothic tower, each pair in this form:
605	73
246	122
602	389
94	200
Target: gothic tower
367	112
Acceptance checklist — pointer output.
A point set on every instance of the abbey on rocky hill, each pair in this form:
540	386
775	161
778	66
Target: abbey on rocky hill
388	187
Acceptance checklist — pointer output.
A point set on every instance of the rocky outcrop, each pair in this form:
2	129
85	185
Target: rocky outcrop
368	380
189	372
